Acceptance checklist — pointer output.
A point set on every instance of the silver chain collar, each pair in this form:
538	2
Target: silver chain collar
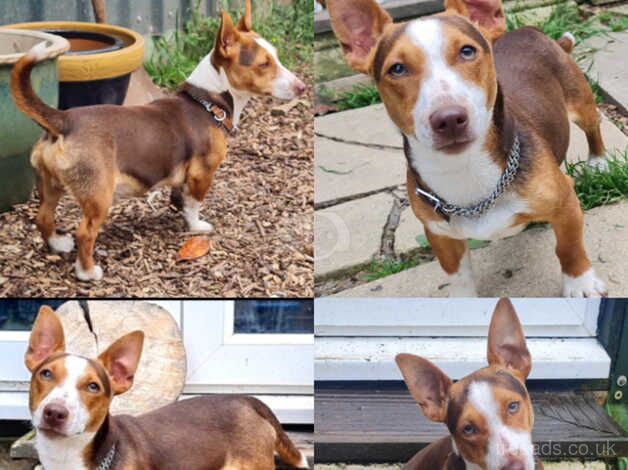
105	464
476	210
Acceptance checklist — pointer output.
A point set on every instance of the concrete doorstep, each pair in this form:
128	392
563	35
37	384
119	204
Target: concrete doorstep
546	465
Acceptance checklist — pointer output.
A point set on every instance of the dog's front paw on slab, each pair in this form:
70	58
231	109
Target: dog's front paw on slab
94	274
585	285
61	243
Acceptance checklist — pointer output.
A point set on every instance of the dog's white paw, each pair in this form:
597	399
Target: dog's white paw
585	285
601	163
200	226
462	289
461	283
303	463
94	275
61	243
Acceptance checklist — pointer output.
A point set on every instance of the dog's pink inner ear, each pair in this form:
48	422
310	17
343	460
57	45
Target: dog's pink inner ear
227	35
428	385
46	338
357	24
121	360
506	341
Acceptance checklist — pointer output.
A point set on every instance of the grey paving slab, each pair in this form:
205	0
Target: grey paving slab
370	125
343	170
610	67
349	234
408	229
523	265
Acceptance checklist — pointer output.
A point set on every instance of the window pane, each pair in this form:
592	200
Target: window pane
16	315
274	316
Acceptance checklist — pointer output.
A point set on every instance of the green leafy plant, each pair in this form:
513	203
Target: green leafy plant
596	187
288	27
382	268
359	97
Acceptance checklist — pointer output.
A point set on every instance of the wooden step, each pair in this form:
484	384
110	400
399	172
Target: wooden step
379	425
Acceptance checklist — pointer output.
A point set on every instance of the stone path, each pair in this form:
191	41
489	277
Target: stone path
362	206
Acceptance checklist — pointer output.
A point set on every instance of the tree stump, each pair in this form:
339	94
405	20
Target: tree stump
161	373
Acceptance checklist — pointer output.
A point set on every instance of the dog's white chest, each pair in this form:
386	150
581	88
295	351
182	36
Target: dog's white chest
63	454
494	224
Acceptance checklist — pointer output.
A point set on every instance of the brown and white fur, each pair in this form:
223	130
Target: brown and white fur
69	401
488	413
458	100
101	153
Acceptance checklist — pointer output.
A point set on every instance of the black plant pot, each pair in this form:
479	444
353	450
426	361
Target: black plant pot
86	93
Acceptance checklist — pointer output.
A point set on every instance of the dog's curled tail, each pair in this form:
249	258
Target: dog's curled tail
25	97
567	42
283	445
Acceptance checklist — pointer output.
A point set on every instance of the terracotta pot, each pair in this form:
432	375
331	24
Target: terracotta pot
18	132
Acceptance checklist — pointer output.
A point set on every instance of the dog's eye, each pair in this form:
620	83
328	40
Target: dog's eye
46	374
468	52
513	407
265	65
468	430
397	70
93	387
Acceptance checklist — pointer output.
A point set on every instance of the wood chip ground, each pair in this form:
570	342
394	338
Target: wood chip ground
261	206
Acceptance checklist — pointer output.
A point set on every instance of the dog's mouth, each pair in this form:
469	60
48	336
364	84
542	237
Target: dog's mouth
453	146
51	433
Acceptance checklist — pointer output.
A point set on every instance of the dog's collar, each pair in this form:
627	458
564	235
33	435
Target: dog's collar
107	461
446	209
215	105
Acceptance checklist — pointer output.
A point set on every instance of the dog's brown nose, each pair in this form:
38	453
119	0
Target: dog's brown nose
299	87
55	415
450	121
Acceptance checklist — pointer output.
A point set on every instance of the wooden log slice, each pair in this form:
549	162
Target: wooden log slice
161	372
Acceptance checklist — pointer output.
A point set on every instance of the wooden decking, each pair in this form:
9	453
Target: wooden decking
385	425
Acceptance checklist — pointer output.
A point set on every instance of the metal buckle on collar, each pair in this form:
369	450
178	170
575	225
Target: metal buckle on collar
220	118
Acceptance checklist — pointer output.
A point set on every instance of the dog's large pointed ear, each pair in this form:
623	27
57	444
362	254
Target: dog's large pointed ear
120	360
428	385
246	22
46	338
227	35
487	15
506	341
357	24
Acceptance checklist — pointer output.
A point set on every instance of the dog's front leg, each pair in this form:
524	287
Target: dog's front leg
453	256
579	278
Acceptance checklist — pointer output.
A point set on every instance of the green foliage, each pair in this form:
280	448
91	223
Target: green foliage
615	22
359	97
564	18
382	268
290	28
596	187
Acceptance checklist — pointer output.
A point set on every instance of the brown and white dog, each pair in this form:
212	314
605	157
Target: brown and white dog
488	413
478	118
70	398
100	153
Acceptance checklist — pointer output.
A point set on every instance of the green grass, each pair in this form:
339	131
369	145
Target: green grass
614	21
382	268
595	187
289	28
359	97
563	18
